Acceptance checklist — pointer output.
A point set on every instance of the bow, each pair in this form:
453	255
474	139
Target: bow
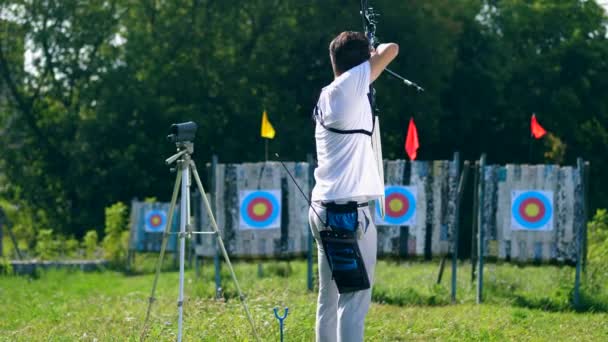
369	27
369	17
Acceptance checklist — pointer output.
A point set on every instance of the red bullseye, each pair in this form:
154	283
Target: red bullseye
259	209
396	204
532	210
156	220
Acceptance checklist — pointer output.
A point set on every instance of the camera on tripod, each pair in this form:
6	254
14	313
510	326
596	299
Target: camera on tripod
180	132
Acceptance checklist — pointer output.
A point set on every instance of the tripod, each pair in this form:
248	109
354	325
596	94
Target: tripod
186	167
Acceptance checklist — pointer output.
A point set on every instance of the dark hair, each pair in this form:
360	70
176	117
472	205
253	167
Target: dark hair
348	50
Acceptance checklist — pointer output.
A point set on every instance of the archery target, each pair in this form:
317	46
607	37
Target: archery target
532	210
155	221
260	209
400	206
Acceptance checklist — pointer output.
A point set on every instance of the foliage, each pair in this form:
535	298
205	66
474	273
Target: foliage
597	251
24	222
71	247
46	245
6	268
31	312
53	246
556	149
89	243
115	242
84	125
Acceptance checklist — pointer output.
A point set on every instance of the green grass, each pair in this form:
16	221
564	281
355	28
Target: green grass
522	304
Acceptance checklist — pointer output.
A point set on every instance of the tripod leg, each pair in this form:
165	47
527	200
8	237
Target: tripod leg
184	226
163	247
222	248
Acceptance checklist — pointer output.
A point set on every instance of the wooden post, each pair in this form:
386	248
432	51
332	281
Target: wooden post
456	238
311	182
480	232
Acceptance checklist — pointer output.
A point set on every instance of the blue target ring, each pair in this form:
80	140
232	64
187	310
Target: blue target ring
532	210
400	205
155	221
270	207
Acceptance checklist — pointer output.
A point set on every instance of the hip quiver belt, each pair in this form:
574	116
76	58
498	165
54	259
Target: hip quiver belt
341	247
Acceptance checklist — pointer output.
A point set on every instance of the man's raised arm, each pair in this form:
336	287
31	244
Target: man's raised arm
381	58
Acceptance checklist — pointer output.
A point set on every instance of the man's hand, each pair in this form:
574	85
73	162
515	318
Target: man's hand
381	58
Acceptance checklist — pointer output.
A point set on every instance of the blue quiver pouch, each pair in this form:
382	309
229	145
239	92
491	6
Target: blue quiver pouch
341	247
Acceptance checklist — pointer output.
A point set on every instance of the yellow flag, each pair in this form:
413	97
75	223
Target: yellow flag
267	129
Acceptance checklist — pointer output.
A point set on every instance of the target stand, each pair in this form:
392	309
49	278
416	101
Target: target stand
185	168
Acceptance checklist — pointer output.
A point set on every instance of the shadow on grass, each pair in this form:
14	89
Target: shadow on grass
560	299
588	303
410	297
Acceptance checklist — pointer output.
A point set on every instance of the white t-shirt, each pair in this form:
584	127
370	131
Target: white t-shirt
347	168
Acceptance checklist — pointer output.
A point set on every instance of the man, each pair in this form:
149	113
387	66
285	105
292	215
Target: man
347	179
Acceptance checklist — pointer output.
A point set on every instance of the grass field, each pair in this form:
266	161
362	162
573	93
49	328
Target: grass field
522	304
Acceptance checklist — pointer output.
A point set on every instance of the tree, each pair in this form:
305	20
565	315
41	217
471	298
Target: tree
52	104
85	125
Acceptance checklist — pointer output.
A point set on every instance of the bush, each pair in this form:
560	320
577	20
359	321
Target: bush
70	247
597	251
46	246
115	243
6	268
89	243
23	221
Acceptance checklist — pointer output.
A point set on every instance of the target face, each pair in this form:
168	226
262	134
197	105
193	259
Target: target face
155	221
260	209
532	210
400	206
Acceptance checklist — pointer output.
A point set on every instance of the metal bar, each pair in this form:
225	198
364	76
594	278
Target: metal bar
585	213
183	224
579	239
456	238
474	225
178	233
405	80
441	268
480	232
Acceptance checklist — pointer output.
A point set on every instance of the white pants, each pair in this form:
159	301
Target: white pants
341	317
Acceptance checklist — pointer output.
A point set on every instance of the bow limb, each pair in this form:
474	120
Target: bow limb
369	27
377	148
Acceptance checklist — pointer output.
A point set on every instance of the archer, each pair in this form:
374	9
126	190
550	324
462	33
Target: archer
347	179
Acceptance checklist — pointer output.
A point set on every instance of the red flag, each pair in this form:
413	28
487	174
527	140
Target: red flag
411	141
537	130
